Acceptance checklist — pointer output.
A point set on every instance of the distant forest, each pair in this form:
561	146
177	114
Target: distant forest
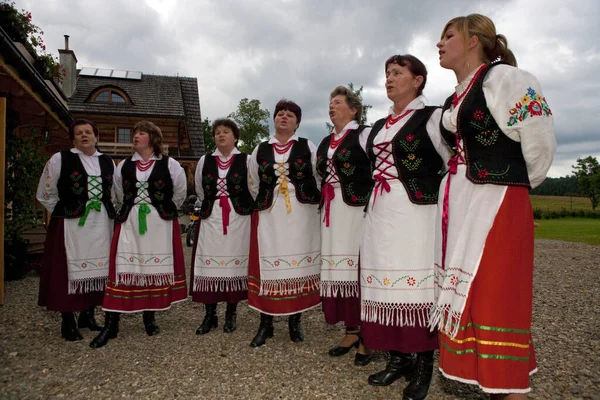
563	186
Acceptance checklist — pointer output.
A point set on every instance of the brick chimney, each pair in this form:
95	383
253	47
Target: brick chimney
69	62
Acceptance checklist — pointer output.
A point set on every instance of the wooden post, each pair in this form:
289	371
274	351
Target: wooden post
2	180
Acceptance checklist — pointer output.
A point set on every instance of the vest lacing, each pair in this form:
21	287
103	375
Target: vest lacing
383	152
143	199
223	196
282	171
95	197
328	189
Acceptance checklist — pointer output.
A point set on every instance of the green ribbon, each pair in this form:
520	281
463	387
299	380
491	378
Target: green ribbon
92	205
143	211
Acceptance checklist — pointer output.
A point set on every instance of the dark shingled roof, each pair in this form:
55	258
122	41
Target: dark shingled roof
152	96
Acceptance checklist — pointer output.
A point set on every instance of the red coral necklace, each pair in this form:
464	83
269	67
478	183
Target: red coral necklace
283	148
455	98
391	121
144	166
223	165
333	142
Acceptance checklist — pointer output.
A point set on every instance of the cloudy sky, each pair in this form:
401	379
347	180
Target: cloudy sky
302	49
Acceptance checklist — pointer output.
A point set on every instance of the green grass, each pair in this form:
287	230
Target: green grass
558	203
585	230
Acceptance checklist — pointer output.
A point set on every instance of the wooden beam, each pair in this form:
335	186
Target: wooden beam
2	172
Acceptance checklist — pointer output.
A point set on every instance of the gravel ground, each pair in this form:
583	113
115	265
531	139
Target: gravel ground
36	363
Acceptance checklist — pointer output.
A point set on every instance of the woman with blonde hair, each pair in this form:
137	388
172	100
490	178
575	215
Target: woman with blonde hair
501	130
147	268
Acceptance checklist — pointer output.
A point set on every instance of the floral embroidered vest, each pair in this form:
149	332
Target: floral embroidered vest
73	186
300	174
160	189
237	185
418	164
352	167
490	155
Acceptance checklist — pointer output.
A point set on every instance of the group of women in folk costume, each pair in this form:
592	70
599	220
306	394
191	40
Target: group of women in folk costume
408	231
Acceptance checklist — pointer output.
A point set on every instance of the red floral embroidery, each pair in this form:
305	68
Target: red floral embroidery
411	281
304	197
354	198
164	214
237	262
419	194
343	151
482	173
319	157
160	182
478	115
83	265
75	173
207	262
454	280
125	182
265	203
208	175
309	259
369	279
350	262
276	263
410	137
264	163
130	259
156	260
75	212
534	108
236	175
299	161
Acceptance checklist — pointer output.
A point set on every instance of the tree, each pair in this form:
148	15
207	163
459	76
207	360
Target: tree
209	140
587	172
253	123
365	110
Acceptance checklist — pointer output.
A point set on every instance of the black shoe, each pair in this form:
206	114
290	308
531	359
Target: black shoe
86	320
110	330
296	332
265	330
419	384
360	360
68	329
230	322
337	351
149	323
400	365
210	319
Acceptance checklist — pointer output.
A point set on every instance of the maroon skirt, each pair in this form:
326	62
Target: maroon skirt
341	309
406	339
54	278
210	297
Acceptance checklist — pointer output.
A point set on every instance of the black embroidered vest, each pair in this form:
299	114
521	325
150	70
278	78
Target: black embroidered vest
237	185
490	155
73	186
351	165
300	174
418	164
160	189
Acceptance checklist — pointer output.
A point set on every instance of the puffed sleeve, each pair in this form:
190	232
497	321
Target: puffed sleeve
313	160
179	181
433	130
198	178
515	99
118	185
47	191
364	137
253	179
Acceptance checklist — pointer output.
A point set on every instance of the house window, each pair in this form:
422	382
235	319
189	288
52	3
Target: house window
124	135
110	96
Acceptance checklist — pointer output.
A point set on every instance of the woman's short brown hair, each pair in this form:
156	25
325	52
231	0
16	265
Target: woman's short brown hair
156	136
414	65
288	105
352	101
226	122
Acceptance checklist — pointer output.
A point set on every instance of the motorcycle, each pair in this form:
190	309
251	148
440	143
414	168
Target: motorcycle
190	236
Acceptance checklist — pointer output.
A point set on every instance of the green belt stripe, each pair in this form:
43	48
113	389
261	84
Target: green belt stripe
283	298
488	356
493	328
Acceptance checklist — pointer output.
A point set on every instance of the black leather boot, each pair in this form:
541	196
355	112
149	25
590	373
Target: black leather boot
210	319
86	320
230	320
296	332
110	330
149	323
265	330
419	384
68	328
400	364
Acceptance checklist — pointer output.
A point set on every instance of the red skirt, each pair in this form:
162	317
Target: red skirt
54	278
341	309
493	348
129	298
208	297
274	304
